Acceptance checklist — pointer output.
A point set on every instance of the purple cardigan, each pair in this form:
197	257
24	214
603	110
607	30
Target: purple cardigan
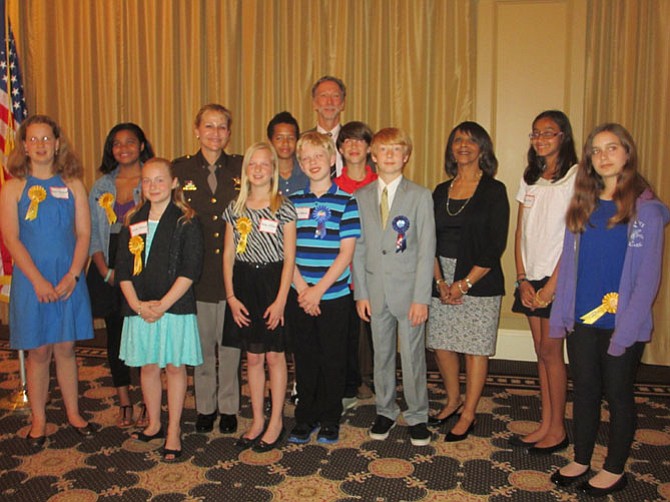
640	278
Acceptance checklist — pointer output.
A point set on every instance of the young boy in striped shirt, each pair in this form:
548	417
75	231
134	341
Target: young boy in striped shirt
327	229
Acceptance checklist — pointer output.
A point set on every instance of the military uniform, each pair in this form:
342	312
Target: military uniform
192	171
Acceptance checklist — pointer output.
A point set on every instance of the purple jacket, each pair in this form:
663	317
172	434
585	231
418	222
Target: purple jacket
640	278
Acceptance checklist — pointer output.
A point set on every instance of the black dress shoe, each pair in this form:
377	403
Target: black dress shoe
87	430
453	438
205	423
227	423
592	491
262	446
36	442
518	442
546	450
562	480
433	421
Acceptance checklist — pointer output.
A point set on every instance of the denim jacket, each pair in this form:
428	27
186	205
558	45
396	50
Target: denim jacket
100	227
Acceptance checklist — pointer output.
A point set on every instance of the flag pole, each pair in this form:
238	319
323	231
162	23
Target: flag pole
18	400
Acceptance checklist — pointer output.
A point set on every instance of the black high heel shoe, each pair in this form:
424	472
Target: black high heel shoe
87	430
244	443
547	450
562	480
433	421
593	491
453	438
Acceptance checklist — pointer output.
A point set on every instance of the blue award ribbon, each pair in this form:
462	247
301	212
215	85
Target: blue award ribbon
401	225
321	214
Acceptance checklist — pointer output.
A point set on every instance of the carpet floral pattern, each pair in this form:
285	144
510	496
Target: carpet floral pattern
112	467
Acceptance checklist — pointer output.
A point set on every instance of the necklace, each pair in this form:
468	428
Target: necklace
459	211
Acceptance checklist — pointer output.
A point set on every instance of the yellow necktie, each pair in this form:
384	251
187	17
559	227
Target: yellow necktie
384	207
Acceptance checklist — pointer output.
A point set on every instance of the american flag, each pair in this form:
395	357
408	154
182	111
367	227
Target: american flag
12	112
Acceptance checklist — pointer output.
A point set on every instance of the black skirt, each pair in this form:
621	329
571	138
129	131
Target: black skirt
256	286
519	307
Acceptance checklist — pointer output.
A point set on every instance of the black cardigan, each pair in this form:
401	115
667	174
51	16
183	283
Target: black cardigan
176	251
483	234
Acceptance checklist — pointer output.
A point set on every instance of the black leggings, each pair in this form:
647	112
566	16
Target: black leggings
594	371
120	372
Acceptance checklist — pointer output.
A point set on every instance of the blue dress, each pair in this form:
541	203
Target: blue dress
173	339
50	239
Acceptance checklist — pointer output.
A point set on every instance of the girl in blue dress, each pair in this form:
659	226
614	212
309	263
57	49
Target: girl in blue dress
46	226
258	265
159	257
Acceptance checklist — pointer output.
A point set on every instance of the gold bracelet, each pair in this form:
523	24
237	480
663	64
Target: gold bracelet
439	281
540	301
461	289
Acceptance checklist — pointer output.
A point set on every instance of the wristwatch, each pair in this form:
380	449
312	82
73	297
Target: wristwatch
518	282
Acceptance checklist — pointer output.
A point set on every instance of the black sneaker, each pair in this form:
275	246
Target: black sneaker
205	423
381	428
329	434
419	435
302	433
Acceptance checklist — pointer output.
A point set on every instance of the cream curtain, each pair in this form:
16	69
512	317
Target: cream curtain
407	63
93	63
628	81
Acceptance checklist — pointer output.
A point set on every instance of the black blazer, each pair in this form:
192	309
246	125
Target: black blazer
176	251
483	234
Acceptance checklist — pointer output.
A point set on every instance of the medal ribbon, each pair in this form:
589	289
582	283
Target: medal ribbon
608	306
244	227
36	194
136	246
401	225
321	214
106	201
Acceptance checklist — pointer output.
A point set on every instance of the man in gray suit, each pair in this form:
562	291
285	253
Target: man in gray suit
393	272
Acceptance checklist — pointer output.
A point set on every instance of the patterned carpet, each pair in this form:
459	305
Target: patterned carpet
111	467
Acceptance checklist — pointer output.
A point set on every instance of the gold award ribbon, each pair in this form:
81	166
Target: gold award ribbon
36	194
243	226
136	246
106	201
608	306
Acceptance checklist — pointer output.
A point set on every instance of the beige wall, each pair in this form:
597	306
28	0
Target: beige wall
530	58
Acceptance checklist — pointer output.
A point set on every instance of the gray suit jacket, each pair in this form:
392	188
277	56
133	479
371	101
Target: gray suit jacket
382	275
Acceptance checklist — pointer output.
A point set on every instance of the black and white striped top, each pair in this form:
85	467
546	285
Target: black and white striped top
265	242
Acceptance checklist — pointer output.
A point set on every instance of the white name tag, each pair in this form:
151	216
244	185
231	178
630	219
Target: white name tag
529	200
140	228
268	226
303	212
59	192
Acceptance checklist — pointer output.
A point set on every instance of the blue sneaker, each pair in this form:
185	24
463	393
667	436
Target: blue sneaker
329	434
302	433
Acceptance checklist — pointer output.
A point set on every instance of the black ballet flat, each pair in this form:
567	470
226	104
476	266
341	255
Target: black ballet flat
453	438
263	447
562	480
518	442
593	491
244	443
36	442
145	438
87	430
547	450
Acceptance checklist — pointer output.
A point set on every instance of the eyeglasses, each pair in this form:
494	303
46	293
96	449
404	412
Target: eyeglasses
44	139
544	135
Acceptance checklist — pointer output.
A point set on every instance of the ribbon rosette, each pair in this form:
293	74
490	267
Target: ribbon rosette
36	194
106	201
608	306
136	246
244	227
321	214
400	225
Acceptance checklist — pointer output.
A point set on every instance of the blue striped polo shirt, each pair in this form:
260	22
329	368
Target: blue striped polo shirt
322	223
